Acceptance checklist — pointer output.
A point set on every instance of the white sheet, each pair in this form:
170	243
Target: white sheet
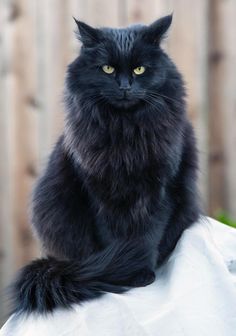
194	295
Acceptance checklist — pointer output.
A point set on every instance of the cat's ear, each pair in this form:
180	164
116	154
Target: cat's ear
88	35
157	30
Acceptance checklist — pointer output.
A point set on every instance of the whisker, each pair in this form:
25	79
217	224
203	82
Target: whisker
156	94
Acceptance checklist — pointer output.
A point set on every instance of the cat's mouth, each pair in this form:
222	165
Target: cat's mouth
124	99
125	102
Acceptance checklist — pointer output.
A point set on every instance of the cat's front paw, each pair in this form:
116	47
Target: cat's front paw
143	278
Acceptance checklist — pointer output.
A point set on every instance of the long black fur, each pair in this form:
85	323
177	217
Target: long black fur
120	185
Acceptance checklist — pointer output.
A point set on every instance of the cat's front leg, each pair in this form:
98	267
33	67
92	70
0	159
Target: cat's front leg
184	196
143	278
146	275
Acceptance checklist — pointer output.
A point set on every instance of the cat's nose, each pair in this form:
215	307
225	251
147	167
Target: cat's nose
125	92
125	87
124	84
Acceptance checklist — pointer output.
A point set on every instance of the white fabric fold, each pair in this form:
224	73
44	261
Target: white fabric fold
194	295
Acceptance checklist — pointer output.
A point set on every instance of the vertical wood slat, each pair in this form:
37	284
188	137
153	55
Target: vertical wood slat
139	11
187	45
59	58
223	108
103	13
51	51
24	111
230	106
6	240
217	162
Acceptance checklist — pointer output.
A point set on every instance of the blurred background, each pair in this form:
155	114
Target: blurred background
37	42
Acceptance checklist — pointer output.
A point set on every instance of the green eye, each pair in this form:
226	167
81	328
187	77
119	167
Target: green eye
108	69
139	70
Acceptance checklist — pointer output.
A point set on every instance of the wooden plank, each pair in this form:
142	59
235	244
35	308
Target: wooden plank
217	186
51	63
187	46
7	257
103	13
139	11
24	109
96	12
226	82
78	10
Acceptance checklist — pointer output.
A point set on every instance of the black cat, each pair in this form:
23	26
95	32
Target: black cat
120	185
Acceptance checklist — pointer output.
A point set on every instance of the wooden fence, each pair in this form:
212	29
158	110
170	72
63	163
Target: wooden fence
36	44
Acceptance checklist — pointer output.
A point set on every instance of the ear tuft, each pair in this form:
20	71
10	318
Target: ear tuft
157	30
88	35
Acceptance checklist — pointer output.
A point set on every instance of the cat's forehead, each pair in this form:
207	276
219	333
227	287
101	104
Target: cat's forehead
124	38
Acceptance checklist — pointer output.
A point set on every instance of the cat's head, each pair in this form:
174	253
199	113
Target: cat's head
121	67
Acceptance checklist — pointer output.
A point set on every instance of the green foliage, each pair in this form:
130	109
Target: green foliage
223	217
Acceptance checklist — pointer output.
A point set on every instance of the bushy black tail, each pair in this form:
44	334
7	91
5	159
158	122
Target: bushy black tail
46	284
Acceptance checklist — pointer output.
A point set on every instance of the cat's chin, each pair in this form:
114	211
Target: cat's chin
124	103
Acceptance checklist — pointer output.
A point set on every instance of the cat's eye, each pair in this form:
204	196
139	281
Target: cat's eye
108	69
139	70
